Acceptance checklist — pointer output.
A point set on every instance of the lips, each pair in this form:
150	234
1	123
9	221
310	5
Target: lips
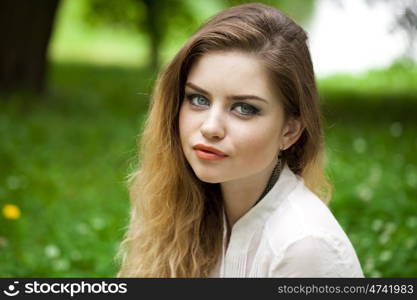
209	149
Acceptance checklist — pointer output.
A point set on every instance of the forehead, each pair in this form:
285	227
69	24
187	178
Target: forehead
231	72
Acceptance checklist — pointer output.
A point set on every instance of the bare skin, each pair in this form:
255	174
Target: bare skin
250	131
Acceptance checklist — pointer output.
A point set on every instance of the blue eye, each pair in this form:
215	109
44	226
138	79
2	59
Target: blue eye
195	96
245	108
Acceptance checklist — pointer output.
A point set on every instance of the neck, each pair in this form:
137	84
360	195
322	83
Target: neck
240	195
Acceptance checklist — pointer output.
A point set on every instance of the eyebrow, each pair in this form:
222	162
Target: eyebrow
234	97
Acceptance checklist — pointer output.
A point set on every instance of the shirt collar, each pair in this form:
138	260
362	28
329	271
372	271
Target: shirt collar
257	215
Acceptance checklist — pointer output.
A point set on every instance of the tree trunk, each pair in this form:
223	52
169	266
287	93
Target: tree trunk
25	28
153	28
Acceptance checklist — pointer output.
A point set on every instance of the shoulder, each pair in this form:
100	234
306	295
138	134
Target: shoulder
315	255
305	237
301	213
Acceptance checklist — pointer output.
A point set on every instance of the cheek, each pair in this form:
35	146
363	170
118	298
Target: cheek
182	120
186	124
257	145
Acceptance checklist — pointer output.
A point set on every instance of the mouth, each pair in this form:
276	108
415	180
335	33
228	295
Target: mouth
209	150
208	155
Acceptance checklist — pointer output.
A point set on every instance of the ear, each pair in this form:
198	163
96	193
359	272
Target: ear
291	132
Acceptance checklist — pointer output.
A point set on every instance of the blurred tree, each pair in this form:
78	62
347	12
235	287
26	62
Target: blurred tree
158	19
301	11
25	28
150	17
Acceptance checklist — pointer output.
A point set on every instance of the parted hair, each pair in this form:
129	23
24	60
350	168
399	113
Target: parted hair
176	222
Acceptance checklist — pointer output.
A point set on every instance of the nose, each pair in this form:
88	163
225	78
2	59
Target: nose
213	124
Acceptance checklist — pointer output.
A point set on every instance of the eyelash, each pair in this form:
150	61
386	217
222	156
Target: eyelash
255	111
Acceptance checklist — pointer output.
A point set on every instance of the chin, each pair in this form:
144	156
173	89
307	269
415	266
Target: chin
208	179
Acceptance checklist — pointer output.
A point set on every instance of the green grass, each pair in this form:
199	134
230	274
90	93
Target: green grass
371	144
64	158
63	161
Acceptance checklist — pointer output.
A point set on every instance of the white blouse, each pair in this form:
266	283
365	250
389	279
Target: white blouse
289	233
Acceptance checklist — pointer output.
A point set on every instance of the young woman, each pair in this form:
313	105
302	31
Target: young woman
231	160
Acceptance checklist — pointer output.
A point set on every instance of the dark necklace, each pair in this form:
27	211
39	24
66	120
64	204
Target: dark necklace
272	180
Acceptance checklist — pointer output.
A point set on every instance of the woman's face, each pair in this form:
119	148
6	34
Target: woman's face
220	110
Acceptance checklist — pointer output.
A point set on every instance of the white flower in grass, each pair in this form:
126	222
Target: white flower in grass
52	251
359	145
396	129
97	223
385	255
390	227
61	265
376	273
375	174
364	192
377	225
384	238
369	265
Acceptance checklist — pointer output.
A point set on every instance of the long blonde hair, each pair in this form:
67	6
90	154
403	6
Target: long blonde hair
176	219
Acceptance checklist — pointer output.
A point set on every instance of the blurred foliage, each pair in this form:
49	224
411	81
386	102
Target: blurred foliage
124	13
155	19
179	13
77	40
127	22
394	84
132	14
301	11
